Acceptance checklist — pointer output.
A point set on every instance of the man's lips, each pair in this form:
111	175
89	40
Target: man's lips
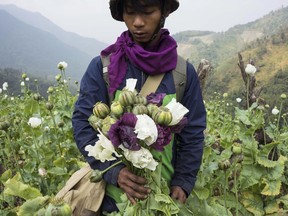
139	34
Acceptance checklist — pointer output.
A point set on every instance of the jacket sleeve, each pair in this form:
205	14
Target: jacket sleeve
189	143
92	89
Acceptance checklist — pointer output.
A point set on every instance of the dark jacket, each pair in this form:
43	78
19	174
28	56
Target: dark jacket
188	145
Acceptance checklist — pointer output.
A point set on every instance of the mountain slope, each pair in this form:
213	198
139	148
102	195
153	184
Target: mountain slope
84	44
35	51
265	41
217	47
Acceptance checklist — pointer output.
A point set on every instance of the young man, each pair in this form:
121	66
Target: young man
144	49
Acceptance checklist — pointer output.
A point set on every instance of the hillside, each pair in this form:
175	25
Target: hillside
269	55
265	41
34	51
191	43
270	58
87	45
217	47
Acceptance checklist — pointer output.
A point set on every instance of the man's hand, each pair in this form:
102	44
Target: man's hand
133	185
177	193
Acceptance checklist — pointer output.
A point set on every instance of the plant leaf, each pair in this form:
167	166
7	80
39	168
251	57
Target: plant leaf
250	175
283	200
253	203
283	137
277	171
272	207
272	188
243	116
16	188
60	162
263	156
6	175
30	207
250	148
201	192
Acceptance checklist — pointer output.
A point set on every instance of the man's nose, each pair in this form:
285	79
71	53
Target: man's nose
138	20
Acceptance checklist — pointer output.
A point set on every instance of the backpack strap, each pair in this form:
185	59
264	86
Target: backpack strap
179	76
105	62
151	84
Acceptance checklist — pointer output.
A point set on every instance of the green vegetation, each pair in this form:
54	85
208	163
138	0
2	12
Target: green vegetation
243	172
38	150
13	77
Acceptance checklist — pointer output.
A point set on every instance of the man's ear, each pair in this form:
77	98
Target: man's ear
162	21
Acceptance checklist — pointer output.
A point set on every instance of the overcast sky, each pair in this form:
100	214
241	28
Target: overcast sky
91	18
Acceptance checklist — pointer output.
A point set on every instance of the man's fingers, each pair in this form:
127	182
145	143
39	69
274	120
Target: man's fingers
126	174
132	200
177	193
133	185
136	191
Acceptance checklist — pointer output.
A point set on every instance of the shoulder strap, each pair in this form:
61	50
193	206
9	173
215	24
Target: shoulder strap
105	62
151	84
179	75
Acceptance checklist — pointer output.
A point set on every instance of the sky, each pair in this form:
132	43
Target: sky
91	18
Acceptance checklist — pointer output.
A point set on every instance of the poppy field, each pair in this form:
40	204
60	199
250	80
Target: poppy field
244	166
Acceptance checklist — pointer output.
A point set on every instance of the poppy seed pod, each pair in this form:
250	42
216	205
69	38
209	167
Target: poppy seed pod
101	110
58	207
96	176
4	125
49	106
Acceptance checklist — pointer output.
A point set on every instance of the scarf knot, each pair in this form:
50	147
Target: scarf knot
162	59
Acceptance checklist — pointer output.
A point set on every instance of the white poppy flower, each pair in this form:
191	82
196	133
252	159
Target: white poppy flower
34	122
177	110
42	172
141	158
62	65
46	129
27	79
250	69
5	86
103	149
131	84
146	129
275	111
22	83
238	100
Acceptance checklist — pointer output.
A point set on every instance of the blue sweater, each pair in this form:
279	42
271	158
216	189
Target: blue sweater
187	146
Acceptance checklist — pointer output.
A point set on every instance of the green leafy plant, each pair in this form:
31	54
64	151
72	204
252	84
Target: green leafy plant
243	172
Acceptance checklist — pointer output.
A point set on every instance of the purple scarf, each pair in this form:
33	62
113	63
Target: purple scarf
158	59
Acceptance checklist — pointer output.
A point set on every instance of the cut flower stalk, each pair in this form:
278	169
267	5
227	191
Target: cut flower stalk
96	175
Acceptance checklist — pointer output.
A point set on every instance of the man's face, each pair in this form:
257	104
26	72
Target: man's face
143	22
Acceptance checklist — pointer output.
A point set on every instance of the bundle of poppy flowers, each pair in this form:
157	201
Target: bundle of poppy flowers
128	131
